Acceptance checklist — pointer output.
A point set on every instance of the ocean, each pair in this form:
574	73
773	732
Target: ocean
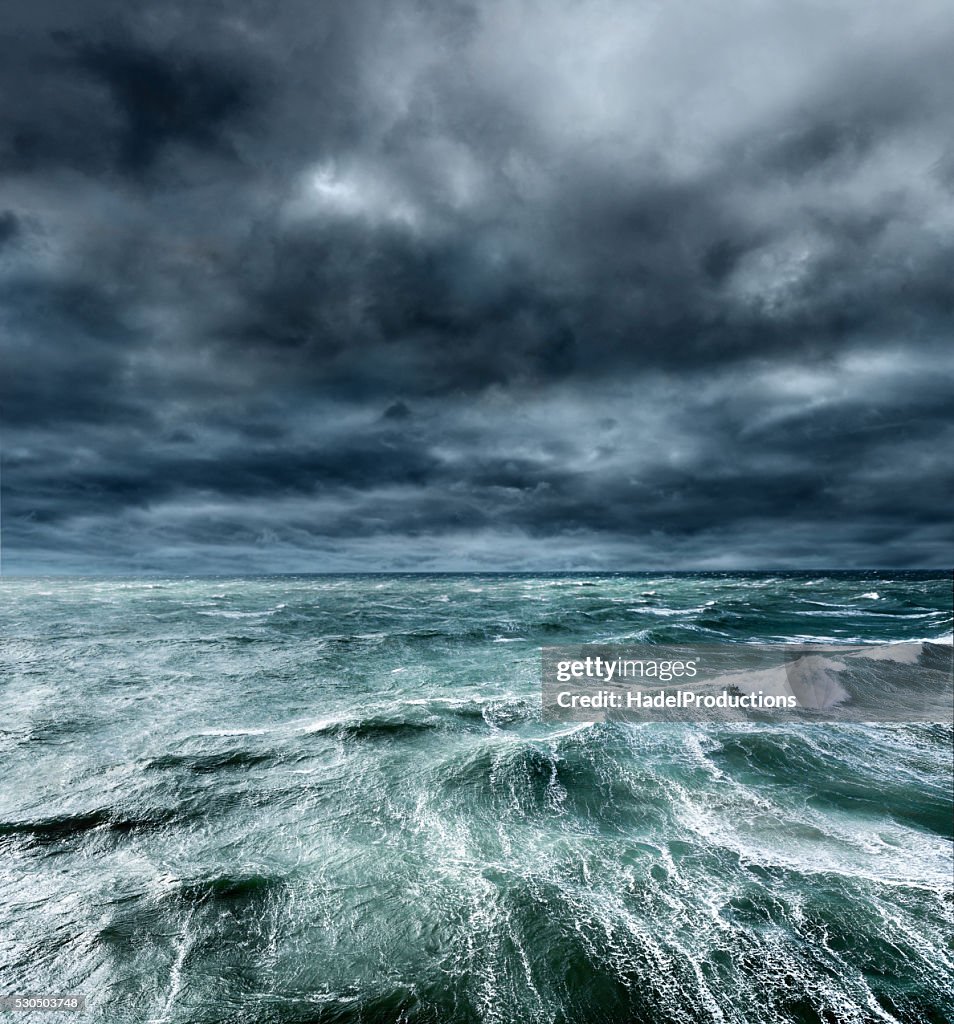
334	799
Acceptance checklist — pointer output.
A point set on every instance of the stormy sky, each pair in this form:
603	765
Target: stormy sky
512	284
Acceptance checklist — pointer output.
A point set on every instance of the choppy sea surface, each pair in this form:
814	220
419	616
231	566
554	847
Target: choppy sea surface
333	799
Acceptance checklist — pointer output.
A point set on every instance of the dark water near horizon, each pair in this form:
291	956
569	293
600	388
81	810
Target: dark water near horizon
333	799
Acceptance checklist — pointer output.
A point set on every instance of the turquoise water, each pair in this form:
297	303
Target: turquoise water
317	799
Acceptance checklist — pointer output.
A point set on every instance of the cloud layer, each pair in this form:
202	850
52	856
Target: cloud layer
499	285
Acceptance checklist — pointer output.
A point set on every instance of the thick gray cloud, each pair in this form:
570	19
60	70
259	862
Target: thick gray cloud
497	285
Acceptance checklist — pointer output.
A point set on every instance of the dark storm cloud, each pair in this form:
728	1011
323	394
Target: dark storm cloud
163	99
494	285
9	227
